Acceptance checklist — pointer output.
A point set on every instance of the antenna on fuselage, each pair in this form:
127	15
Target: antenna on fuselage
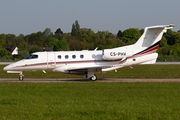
95	49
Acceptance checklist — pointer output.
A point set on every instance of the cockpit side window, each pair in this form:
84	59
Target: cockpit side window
34	56
28	57
31	56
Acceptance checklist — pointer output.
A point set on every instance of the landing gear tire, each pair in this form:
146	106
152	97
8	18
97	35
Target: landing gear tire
93	78
21	78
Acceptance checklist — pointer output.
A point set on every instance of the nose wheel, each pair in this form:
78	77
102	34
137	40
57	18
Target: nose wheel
21	77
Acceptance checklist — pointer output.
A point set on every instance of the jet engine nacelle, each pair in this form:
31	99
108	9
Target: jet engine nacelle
115	54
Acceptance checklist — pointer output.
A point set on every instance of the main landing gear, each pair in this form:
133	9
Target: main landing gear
93	78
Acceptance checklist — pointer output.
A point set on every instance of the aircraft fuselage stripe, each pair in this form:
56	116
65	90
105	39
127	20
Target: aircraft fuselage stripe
146	51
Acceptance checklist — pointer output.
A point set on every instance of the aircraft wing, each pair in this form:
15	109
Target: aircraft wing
85	68
81	70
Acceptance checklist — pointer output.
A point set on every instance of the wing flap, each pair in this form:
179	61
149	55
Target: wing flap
86	68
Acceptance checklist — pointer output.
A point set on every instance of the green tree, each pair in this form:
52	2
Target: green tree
164	51
75	29
47	32
141	31
4	52
59	33
23	46
77	45
163	42
52	41
174	51
119	33
77	25
2	40
22	54
19	39
5	55
177	38
30	39
101	43
62	45
10	40
39	39
169	35
130	35
119	43
35	39
35	49
109	43
86	34
104	34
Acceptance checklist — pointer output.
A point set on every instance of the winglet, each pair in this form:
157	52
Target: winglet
171	25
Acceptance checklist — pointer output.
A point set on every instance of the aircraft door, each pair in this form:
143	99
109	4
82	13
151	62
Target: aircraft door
51	59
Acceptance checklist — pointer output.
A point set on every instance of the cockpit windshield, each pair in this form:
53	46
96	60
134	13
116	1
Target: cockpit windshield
32	56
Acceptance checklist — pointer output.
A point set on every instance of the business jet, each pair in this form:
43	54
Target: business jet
91	62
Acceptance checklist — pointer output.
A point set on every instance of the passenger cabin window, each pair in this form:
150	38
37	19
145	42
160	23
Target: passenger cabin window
66	56
81	56
59	56
31	56
73	56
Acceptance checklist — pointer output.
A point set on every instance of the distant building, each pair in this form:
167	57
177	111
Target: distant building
47	49
13	50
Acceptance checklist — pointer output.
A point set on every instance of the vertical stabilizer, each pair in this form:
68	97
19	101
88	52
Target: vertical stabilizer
151	37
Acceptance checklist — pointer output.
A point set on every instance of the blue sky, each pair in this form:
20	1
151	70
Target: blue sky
30	16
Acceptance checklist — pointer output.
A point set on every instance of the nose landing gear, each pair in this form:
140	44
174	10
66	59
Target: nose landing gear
21	77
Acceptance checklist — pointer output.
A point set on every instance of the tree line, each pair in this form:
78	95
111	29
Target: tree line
84	39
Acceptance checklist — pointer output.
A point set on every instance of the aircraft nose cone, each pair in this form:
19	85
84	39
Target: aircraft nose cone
7	68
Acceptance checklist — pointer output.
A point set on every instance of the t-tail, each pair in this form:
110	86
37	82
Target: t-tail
142	52
149	41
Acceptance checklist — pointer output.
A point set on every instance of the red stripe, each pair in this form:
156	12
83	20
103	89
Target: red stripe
145	52
70	62
150	50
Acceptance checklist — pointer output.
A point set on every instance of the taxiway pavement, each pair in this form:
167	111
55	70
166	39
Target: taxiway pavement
38	80
162	63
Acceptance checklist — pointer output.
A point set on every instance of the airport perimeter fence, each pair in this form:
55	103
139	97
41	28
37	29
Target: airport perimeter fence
168	59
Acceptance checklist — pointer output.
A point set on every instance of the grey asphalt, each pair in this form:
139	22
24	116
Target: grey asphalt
39	80
5	63
167	63
86	80
162	63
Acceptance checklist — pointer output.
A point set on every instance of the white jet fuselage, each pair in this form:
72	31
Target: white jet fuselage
67	61
91	62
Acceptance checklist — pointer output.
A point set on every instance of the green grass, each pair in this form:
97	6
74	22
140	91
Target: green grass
93	100
138	71
87	101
